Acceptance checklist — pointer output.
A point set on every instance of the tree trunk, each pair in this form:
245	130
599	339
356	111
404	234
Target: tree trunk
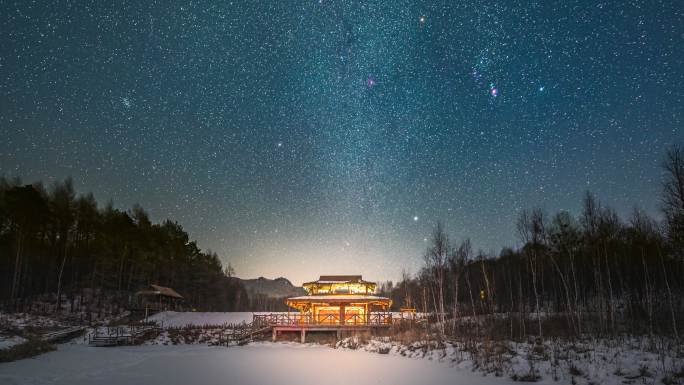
489	292
599	289
577	301
569	311
521	303
440	293
669	295
649	300
472	302
611	303
17	267
536	294
456	283
59	280
121	267
510	307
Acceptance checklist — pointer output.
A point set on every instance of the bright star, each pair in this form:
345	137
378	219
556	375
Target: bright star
421	19
415	218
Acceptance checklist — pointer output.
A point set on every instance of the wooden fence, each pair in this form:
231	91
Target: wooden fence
296	319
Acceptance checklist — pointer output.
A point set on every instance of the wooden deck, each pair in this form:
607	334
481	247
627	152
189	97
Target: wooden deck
302	323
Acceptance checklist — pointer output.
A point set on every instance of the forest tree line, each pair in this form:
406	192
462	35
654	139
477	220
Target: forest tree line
594	273
55	243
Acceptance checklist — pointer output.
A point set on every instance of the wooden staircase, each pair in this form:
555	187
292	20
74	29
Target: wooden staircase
64	334
243	336
121	336
102	341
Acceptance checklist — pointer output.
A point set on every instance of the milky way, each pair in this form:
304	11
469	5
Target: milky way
304	137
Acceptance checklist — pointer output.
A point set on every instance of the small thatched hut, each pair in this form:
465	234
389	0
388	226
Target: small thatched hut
158	298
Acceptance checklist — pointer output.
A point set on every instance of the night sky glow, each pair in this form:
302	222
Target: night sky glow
298	138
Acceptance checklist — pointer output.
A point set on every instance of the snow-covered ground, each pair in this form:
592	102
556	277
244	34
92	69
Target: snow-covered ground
400	359
9	341
22	320
372	362
257	364
590	362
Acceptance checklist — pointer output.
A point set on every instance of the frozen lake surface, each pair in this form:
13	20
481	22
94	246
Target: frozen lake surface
257	364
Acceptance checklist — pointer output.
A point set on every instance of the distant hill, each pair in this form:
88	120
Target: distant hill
271	288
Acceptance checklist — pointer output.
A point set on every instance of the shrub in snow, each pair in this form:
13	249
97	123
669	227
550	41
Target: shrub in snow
30	348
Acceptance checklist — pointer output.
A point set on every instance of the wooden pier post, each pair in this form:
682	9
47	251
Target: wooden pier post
303	335
275	334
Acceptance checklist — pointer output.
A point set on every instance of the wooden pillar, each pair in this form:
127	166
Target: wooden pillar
303	335
342	314
275	334
339	334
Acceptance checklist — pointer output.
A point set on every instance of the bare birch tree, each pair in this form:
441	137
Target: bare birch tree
436	258
531	231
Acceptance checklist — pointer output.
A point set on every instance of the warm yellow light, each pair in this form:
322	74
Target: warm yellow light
341	288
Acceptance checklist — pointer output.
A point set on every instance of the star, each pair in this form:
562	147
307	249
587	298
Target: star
126	101
208	114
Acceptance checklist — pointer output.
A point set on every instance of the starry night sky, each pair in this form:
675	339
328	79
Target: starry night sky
298	138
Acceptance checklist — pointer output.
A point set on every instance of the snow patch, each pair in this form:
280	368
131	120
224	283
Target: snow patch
9	341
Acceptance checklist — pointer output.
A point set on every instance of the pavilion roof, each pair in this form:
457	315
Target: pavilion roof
327	279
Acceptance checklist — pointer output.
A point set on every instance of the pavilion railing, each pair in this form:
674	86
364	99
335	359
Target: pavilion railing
296	319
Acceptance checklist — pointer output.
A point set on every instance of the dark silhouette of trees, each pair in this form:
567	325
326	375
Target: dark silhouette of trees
57	244
595	274
673	198
25	212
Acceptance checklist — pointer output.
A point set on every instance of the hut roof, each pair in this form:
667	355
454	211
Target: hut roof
165	291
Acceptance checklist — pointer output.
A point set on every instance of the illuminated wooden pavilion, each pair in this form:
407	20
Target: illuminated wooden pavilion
340	299
337	303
